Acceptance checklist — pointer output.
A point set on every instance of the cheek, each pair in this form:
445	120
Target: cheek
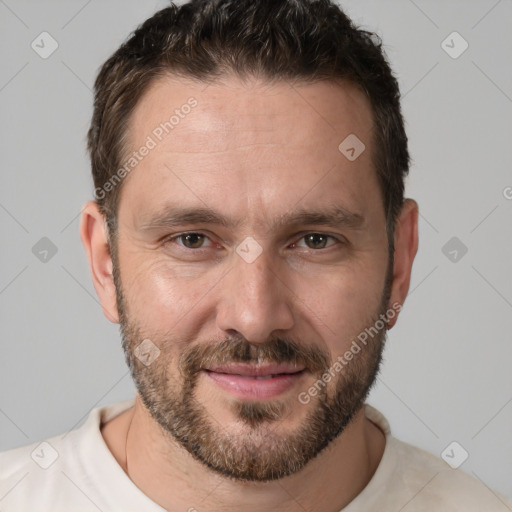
161	295
341	304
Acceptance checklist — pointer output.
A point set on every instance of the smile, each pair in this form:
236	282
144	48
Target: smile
255	382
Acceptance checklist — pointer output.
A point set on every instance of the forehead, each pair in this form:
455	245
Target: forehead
253	109
269	143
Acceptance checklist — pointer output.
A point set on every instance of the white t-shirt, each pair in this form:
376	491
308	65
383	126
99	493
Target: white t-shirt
76	472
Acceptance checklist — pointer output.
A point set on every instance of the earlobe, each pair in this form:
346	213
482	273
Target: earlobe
406	247
94	239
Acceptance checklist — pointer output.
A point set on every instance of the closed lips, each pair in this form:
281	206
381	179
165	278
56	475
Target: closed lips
260	372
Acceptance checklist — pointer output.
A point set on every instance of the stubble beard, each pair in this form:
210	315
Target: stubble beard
257	451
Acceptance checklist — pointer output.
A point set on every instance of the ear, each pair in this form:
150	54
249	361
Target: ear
94	238
406	246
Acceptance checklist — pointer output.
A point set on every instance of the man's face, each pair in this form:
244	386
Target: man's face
223	302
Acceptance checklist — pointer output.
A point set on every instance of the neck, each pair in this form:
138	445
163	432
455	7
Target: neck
173	479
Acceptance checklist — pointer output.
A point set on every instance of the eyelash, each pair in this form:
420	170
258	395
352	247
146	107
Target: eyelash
173	238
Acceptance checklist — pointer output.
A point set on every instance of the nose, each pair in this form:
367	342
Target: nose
255	300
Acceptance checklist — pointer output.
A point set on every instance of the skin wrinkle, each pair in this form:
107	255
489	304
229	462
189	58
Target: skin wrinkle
246	146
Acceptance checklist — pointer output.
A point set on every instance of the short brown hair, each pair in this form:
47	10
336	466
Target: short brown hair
309	40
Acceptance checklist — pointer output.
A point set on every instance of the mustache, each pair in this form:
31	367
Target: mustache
238	350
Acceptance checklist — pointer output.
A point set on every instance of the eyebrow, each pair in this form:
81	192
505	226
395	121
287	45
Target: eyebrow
335	216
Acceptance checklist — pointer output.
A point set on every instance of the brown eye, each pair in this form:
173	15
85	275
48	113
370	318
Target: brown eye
192	240
316	240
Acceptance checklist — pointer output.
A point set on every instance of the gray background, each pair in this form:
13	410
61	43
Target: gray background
447	372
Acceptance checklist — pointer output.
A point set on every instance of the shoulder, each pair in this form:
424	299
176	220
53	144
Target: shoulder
29	471
64	472
435	485
410	479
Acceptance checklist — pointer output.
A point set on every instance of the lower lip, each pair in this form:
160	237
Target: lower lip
249	387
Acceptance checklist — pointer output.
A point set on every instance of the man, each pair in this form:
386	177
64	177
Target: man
251	238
